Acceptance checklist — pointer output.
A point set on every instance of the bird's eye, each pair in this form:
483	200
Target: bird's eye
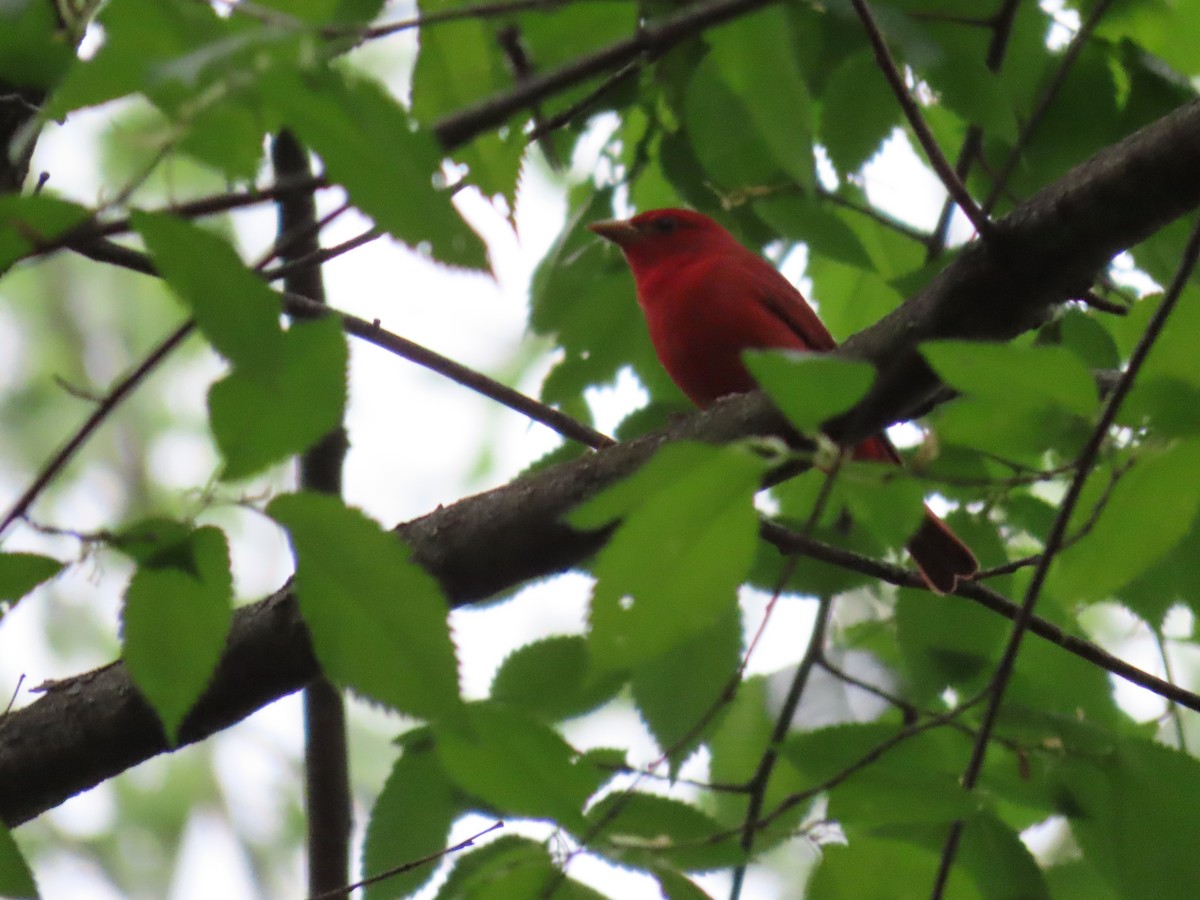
666	225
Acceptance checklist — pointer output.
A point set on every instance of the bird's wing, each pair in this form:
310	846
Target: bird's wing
779	296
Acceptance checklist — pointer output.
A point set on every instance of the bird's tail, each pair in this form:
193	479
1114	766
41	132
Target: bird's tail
941	556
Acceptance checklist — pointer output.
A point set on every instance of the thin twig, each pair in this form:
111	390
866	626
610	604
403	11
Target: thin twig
901	228
972	146
407	867
1172	708
1000	182
323	255
790	541
568	115
816	648
437	17
870	757
557	421
111	400
916	121
1087	458
652	38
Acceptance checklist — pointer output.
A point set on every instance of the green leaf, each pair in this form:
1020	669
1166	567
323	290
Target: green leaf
724	134
33	48
176	615
369	146
16	878
966	86
915	782
517	765
874	868
1126	807
673	567
1149	511
233	307
459	64
261	417
582	297
327	12
27	222
1089	340
674	695
20	573
779	106
824	231
1163	29
139	44
945	642
510	868
1168	406
809	388
1002	866
411	819
378	621
850	297
647	832
881	499
856	85
1011	375
678	887
741	738
549	678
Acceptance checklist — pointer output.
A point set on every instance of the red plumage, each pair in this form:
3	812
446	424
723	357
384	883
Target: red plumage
707	299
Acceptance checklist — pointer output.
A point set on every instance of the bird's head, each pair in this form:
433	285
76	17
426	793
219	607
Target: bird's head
663	235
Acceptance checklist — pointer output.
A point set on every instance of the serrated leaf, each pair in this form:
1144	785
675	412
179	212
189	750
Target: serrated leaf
968	87
1129	805
672	568
20	573
741	738
915	781
517	765
1012	375
410	820
261	417
369	145
883	501
16	878
809	388
508	867
946	643
674	695
779	106
676	886
27	222
174	623
646	831
459	64
858	85
549	678
822	230
378	621
233	307
1002	866
723	133
1147	513
871	868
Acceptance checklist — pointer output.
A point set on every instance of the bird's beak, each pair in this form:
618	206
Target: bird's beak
619	231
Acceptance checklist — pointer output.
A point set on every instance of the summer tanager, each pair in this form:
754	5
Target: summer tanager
706	299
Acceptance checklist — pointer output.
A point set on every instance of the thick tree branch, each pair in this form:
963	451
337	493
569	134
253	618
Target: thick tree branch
95	726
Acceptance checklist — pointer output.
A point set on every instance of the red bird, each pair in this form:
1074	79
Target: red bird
706	299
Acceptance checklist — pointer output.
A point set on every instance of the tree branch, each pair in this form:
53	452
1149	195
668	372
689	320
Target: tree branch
97	725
